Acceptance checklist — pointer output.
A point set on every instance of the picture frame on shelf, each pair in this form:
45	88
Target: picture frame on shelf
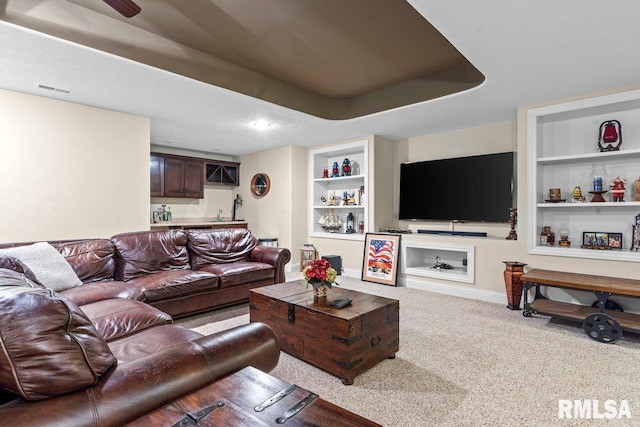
615	240
601	240
381	255
635	239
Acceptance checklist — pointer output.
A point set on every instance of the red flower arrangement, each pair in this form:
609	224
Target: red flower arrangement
319	272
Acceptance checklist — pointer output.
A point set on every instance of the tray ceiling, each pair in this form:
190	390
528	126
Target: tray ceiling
333	59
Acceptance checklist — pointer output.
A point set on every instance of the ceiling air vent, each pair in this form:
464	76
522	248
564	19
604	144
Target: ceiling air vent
54	89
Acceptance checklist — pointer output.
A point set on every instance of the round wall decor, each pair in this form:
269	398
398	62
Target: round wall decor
260	184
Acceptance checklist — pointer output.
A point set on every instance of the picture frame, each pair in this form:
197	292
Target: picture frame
588	239
601	240
635	239
381	257
615	241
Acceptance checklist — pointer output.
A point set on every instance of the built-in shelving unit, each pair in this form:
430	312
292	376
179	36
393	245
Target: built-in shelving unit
355	185
429	259
563	153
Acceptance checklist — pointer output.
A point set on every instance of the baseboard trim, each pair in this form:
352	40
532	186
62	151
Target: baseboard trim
456	291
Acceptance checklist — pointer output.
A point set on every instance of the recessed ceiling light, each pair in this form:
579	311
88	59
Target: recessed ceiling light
262	125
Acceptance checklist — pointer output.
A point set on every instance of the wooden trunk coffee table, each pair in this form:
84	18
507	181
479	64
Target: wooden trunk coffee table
251	398
344	342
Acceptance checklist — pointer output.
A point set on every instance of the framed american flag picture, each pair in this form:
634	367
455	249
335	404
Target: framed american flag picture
381	258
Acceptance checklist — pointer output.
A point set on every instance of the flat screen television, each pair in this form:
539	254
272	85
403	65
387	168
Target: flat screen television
474	188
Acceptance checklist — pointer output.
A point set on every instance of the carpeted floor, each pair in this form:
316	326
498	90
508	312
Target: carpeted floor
464	362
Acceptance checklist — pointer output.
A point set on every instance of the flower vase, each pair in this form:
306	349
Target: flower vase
320	294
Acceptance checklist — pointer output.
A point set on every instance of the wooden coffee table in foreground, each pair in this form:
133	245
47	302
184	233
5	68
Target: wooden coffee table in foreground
344	342
251	398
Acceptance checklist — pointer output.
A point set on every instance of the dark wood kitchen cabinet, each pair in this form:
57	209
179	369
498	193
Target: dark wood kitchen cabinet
157	176
222	173
183	176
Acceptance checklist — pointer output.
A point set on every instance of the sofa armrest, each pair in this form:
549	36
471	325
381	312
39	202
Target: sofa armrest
278	257
134	389
14	264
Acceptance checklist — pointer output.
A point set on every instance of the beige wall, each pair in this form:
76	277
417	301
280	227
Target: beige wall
281	213
489	251
465	142
70	171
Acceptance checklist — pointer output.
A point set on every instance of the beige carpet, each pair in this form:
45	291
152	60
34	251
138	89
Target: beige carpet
470	363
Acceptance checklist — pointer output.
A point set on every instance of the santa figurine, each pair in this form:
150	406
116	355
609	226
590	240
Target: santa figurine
617	189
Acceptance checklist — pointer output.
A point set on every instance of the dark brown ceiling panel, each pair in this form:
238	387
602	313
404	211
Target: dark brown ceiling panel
335	59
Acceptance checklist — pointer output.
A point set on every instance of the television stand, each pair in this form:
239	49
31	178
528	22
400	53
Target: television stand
454	233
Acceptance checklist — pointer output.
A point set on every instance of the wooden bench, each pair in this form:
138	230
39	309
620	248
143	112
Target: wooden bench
600	323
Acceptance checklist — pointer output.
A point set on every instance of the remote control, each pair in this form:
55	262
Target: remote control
341	303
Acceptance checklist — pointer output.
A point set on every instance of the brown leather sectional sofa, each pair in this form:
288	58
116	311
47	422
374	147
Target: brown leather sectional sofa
106	352
109	362
177	271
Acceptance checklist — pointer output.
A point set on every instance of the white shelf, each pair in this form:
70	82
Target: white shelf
419	259
597	156
321	158
342	179
343	236
339	207
563	153
588	205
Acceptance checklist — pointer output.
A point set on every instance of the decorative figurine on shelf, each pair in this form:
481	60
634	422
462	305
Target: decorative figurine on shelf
635	238
352	198
610	136
335	170
547	237
325	173
598	190
355	168
332	200
346	167
513	218
345	198
350	224
577	196
617	189
323	200
564	237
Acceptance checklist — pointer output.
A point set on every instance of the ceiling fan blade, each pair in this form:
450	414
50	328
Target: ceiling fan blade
126	8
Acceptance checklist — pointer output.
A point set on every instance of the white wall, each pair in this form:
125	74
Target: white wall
70	171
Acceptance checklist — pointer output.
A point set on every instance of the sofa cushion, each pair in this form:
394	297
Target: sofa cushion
219	246
92	260
166	285
48	265
98	291
151	341
240	273
146	252
117	318
49	346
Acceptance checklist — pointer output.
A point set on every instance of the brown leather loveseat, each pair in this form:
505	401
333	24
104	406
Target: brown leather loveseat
180	272
108	362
